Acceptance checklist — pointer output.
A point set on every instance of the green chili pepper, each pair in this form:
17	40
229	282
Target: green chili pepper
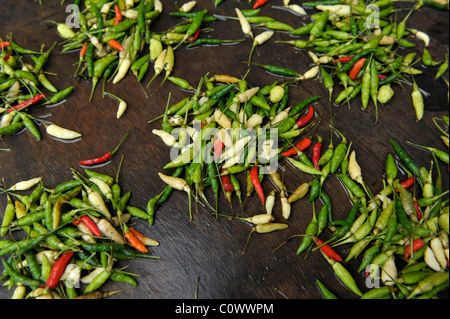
8	217
442	69
61	95
365	88
18	277
327	294
347	223
314	190
322	219
368	256
338	154
30	125
300	106
310	232
304	30
120	276
319	25
406	159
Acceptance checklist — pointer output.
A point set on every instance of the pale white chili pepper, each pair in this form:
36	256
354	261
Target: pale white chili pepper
438	250
260	219
24	185
260	39
431	261
245	25
167	138
389	271
188	6
270	202
107	229
421	36
61	132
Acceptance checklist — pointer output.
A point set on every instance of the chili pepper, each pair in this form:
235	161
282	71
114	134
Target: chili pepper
368	256
344	275
256	184
121	276
327	250
61	95
416	245
118	15
18	277
406	159
338	154
58	269
347	223
8	216
259	3
27	103
304	168
310	233
306	119
314	190
319	25
30	125
322	218
133	240
353	73
299	107
348	66
316	152
91	225
327	294
104	158
428	283
304	30
299	147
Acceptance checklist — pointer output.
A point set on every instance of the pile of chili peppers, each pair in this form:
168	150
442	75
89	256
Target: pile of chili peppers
395	228
116	39
229	128
364	58
68	241
400	234
24	85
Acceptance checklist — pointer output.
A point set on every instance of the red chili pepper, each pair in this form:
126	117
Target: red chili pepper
115	45
255	181
58	269
4	43
327	250
226	182
218	147
134	240
316	152
353	74
418	211
196	34
104	158
407	183
118	13
91	225
6	57
343	59
305	120
259	3
27	103
84	48
299	147
381	76
417	244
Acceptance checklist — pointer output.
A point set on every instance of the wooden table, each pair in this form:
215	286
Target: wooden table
209	249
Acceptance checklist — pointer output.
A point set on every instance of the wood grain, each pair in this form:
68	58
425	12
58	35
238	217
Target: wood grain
208	248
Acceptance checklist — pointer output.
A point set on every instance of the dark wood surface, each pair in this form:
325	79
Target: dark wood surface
207	248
